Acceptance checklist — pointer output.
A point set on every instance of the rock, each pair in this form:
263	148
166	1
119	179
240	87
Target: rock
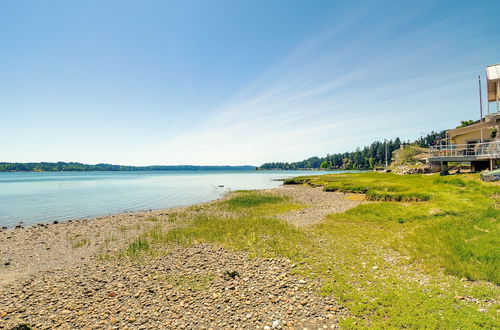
276	324
231	273
267	327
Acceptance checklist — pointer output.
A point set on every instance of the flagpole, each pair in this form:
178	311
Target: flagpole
480	106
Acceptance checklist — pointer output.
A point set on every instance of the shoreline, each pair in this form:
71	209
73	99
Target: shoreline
64	242
18	217
115	232
71	257
22	225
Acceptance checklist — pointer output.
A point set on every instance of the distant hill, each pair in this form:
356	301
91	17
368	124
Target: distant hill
73	167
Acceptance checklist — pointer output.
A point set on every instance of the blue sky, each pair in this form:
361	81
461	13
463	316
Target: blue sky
234	82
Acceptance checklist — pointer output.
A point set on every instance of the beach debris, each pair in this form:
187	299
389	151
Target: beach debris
22	327
490	176
231	273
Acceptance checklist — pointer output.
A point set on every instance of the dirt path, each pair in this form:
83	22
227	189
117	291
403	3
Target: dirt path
319	203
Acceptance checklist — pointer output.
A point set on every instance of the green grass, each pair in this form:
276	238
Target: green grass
256	203
397	263
248	199
462	237
138	247
263	236
78	242
250	226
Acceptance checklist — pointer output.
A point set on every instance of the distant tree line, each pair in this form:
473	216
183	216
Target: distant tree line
71	167
361	159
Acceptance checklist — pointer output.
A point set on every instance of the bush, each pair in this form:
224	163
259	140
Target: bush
406	155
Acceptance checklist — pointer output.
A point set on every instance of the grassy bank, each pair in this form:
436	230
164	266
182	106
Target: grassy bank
422	254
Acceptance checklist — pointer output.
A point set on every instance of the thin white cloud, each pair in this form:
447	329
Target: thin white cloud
332	94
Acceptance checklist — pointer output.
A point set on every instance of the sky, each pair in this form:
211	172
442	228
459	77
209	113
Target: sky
234	82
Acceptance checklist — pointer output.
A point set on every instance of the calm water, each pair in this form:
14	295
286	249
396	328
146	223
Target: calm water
42	197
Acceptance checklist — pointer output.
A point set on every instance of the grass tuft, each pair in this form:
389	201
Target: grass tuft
139	246
81	243
252	199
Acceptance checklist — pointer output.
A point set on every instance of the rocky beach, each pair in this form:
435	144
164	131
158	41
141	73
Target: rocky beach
75	275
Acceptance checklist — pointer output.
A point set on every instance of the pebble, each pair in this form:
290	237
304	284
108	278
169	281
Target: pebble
201	286
124	294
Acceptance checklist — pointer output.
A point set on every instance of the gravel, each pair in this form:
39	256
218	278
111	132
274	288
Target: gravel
52	276
319	203
187	288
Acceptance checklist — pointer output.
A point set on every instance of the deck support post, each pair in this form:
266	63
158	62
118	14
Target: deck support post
444	167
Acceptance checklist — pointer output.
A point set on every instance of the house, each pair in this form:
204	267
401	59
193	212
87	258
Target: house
479	142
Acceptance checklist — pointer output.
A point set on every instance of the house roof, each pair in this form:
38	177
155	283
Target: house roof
493	79
489	121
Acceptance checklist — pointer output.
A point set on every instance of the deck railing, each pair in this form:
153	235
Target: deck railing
486	149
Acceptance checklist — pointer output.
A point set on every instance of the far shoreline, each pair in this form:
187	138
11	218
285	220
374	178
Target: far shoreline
192	170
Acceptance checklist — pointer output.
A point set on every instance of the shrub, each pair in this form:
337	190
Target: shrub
406	155
295	181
